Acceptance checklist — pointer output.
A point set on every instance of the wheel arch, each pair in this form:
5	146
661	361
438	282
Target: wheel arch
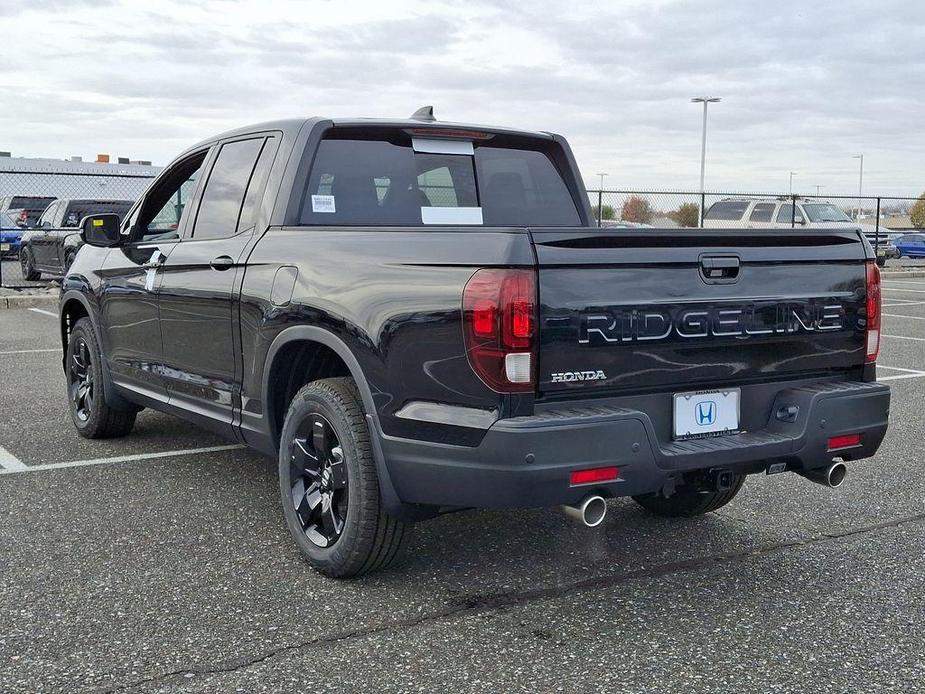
315	336
73	306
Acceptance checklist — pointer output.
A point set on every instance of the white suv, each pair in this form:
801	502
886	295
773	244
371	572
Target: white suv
769	213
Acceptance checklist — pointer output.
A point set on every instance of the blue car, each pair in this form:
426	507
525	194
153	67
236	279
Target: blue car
911	245
10	235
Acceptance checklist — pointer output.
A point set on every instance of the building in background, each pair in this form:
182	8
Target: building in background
74	177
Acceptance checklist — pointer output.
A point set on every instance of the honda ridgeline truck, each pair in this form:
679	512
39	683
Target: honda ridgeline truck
416	317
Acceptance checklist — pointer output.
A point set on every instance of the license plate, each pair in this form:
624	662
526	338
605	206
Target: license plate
4	247
706	413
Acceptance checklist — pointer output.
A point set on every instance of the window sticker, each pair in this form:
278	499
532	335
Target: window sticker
323	203
451	215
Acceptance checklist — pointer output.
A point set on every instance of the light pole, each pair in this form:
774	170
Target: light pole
860	182
792	174
703	140
818	188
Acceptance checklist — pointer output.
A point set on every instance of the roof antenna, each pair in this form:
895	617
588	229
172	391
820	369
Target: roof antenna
425	113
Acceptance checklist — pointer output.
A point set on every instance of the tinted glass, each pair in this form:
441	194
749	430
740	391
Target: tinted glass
256	186
378	182
76	210
224	192
164	205
730	210
48	215
785	215
762	212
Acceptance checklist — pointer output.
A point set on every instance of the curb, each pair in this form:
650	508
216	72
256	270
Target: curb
15	302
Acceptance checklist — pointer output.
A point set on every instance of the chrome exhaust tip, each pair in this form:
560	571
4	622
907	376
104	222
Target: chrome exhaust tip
590	511
832	476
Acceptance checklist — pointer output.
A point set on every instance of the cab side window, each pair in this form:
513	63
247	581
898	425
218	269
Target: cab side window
162	211
223	197
762	212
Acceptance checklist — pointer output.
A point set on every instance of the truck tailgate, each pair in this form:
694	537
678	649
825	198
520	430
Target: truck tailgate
645	310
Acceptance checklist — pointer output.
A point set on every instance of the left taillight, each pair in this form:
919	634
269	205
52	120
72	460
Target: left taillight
872	319
499	326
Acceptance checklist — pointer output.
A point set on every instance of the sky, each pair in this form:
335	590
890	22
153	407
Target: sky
804	86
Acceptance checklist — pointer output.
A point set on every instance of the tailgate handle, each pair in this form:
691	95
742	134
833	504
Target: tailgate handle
719	268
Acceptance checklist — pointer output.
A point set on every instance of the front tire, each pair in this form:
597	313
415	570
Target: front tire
329	486
689	501
93	416
27	264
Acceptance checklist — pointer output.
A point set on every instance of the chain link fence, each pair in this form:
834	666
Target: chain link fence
33	201
28	196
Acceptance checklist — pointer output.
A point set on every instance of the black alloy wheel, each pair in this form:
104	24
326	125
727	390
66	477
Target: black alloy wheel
319	480
81	386
29	273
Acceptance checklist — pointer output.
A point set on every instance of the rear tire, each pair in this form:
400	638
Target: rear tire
27	264
329	486
688	502
93	416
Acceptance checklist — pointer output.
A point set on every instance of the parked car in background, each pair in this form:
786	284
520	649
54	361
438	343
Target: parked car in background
51	246
771	213
911	245
26	209
10	235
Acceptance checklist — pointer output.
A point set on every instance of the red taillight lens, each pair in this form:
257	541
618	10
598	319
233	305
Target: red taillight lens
499	307
872	320
597	474
846	441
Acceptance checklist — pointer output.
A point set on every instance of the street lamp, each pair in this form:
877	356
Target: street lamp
792	174
860	182
818	188
703	141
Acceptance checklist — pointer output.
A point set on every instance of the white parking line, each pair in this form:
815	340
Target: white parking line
9	462
899	368
903	290
905	302
889	282
905	337
889	378
899	315
12	468
28	351
44	312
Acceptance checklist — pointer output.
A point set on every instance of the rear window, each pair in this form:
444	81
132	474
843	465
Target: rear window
728	210
79	209
386	182
762	212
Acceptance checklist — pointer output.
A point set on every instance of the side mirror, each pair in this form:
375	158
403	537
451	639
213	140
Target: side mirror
101	230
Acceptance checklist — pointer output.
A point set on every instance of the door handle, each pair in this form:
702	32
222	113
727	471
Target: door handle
222	262
719	268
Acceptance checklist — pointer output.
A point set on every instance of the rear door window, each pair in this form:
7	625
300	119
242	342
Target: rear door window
762	212
223	197
727	210
386	182
785	215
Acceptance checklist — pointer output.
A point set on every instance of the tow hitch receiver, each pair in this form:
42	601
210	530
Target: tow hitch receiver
722	479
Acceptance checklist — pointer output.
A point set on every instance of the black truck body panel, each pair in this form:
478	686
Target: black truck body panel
221	344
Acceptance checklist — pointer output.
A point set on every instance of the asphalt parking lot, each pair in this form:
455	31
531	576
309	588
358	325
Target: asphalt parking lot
161	563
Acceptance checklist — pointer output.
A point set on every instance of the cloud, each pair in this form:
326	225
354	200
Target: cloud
804	87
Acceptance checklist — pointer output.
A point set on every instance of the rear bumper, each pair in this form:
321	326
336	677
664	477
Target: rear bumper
526	461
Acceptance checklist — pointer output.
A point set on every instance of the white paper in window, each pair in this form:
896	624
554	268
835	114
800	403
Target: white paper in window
323	203
451	215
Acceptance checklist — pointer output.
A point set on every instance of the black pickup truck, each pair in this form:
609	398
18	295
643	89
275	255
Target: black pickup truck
416	317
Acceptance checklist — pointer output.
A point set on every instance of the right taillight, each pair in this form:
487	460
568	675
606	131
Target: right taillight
499	308
872	319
